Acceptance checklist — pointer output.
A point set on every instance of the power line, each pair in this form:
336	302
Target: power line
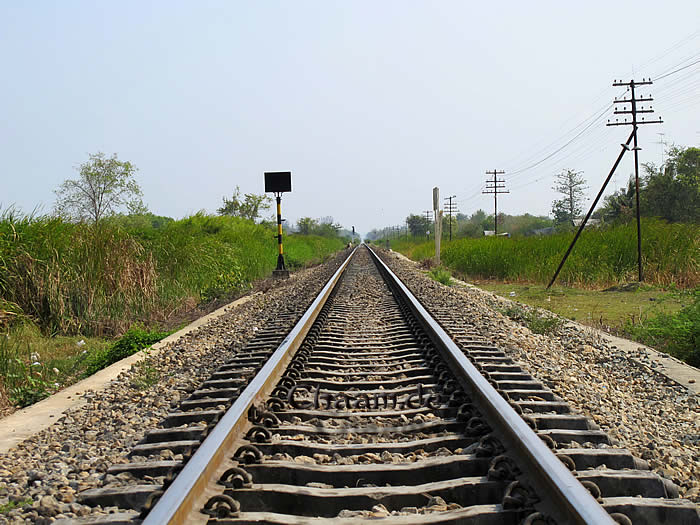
590	124
677	70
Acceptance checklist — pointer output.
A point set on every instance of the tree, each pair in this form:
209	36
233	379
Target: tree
417	224
673	191
247	208
571	184
620	205
306	225
104	186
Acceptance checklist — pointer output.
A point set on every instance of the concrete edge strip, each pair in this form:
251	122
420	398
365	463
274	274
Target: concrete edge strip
28	421
674	369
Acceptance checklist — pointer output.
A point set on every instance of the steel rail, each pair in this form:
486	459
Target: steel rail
180	498
564	497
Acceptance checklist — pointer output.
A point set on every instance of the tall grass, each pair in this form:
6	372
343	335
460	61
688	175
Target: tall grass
98	280
601	257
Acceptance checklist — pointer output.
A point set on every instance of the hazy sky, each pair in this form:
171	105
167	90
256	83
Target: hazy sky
369	103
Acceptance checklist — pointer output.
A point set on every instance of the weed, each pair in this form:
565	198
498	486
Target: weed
131	342
144	375
537	322
11	505
677	333
441	275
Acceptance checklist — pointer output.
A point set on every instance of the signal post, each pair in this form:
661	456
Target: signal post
278	182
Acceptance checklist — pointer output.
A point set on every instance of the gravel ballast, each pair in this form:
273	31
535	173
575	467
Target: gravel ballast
644	411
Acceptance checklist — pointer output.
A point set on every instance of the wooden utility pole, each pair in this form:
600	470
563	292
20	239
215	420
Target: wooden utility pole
438	223
634	111
493	186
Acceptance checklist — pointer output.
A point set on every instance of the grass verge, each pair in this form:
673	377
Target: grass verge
74	297
601	258
665	319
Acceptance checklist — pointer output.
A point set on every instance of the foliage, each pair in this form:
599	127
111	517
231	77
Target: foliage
441	275
571	184
225	284
144	374
78	278
132	341
33	366
677	333
537	321
673	192
11	505
247	208
619	206
324	227
105	185
305	250
670	192
418	225
72	278
602	257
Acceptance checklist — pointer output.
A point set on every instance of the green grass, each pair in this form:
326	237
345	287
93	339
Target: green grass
676	333
537	322
668	320
132	341
62	283
441	275
602	257
11	505
99	280
145	375
33	366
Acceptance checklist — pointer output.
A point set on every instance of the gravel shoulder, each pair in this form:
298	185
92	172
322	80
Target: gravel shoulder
43	474
646	412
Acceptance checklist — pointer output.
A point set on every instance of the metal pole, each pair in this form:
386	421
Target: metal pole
280	270
625	147
636	183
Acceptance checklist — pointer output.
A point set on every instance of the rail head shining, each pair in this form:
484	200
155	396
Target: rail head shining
180	498
566	499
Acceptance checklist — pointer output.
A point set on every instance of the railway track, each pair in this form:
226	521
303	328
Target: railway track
368	409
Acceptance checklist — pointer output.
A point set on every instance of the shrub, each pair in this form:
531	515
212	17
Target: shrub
678	334
441	275
131	342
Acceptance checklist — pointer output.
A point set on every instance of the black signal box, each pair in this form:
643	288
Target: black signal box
278	181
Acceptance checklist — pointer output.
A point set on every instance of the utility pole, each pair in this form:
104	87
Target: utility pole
451	208
437	214
634	111
428	218
493	186
406	228
663	148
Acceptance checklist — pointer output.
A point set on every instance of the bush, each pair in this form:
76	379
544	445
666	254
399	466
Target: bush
441	275
678	334
131	342
537	322
100	279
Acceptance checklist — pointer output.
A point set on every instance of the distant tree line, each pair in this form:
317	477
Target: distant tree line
670	192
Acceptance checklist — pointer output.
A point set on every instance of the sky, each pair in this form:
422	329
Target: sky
370	104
